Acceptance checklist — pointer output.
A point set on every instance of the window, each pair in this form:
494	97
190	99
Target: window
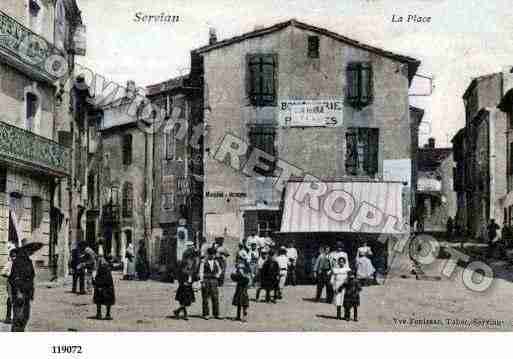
262	80
31	110
91	181
262	137
313	47
37	212
128	200
34	16
3	179
127	149
362	151
359	84
168	201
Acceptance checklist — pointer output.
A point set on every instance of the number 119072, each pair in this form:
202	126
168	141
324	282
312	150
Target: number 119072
66	349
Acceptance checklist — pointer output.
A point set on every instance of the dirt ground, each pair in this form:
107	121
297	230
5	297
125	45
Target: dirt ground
401	303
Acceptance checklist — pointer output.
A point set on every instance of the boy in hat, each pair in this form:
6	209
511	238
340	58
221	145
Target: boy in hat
210	271
352	290
269	277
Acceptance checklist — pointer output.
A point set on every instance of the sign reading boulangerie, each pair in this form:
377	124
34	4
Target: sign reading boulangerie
311	113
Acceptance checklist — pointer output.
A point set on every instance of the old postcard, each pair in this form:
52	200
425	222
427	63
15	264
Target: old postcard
269	166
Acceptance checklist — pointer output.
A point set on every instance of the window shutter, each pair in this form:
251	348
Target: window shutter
127	149
366	83
313	47
352	82
262	79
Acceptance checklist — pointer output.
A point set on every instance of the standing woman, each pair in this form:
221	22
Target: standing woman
185	292
130	262
339	275
104	293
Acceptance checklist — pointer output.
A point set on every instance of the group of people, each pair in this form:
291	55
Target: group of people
256	265
332	270
93	270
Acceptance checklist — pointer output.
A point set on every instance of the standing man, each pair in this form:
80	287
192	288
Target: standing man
222	254
283	263
253	262
77	269
22	286
292	257
6	272
492	234
209	273
322	272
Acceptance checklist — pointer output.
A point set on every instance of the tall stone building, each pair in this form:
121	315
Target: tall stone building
480	151
435	197
178	169
506	105
308	102
246	80
39	41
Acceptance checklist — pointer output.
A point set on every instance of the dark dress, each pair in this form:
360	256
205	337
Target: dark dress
185	292
240	297
269	274
104	285
352	293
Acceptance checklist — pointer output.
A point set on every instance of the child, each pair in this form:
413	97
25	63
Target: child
240	298
103	288
352	290
185	292
338	279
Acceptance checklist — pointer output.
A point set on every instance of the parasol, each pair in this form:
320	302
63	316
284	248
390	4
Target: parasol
30	248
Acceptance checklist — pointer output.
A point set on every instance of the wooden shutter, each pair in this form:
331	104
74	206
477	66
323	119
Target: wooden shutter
262	79
127	149
365	83
313	47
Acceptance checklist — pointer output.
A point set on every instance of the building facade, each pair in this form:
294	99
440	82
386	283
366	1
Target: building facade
480	152
177	172
435	198
37	55
247	83
506	105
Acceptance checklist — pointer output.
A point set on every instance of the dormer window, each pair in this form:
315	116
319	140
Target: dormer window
313	47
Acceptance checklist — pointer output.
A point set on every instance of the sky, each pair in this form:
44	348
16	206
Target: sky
464	39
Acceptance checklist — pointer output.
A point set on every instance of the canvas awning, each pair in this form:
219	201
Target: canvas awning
351	207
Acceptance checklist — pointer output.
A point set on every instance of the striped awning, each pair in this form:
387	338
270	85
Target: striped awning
354	207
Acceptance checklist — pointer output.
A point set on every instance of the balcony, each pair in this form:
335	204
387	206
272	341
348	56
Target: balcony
26	50
21	148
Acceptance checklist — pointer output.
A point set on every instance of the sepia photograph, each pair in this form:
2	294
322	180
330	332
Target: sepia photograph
255	166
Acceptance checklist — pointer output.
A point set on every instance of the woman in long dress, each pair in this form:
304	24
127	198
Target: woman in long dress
185	293
338	278
104	293
130	262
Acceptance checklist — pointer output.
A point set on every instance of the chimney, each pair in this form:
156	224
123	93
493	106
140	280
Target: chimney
431	142
130	89
212	36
